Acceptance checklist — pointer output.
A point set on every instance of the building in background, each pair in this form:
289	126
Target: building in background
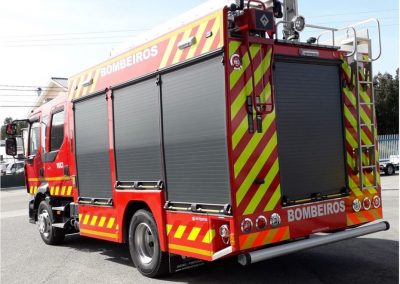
55	87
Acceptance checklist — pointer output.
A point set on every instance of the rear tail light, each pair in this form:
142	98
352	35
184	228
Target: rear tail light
367	203
356	205
246	226
261	222
376	201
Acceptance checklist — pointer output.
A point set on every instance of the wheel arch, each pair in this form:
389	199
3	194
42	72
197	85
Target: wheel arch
131	208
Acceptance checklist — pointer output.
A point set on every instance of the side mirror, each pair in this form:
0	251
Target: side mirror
11	128
11	146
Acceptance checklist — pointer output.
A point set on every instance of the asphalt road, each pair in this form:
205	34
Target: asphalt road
26	259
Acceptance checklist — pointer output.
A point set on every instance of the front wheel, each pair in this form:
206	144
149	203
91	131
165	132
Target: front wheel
49	234
144	245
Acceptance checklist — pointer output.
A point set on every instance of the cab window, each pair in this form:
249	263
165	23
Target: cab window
57	130
34	138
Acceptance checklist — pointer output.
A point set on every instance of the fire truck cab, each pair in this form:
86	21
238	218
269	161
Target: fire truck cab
213	137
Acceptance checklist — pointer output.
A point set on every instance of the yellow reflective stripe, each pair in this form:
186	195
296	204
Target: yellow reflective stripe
57	189
353	143
198	35
237	74
80	217
69	192
209	236
350	117
249	241
244	187
274	199
36	189
110	222
233	47
95	79
350	96
63	190
179	232
194	233
179	51
102	221
239	132
241	99
167	52
93	222
253	143
190	249
97	233
262	189
169	227
52	190
50	179
354	188
86	219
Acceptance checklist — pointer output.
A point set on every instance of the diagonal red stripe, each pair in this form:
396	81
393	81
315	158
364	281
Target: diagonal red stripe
203	38
253	188
271	190
186	50
174	49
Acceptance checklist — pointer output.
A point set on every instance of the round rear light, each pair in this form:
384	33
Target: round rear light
356	205
261	222
367	203
376	201
246	226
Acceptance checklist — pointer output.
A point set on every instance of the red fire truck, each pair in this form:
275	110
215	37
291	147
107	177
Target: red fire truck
215	138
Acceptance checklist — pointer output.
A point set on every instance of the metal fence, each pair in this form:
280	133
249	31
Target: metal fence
388	145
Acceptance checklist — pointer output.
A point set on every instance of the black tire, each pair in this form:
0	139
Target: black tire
390	170
49	234
144	245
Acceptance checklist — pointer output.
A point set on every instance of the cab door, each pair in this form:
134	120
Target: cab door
56	162
34	164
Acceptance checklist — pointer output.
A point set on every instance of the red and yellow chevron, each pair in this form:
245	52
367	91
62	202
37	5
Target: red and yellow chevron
207	35
255	154
98	225
364	216
195	235
263	238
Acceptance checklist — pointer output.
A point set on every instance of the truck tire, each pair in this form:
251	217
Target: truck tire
389	170
49	234
144	245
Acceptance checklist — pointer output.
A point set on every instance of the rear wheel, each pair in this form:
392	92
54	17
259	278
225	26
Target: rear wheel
144	245
49	234
389	170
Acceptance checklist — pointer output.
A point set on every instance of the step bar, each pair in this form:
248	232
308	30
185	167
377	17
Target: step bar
263	254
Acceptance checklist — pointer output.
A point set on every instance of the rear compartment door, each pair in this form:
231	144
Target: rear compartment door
309	127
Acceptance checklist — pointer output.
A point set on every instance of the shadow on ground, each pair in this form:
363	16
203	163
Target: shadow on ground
362	260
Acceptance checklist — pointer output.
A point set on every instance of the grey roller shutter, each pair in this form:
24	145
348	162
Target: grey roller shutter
92	148
137	132
194	120
310	129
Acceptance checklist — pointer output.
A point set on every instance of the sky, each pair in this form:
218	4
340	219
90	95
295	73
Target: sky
40	39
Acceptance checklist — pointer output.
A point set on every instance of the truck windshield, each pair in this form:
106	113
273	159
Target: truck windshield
34	138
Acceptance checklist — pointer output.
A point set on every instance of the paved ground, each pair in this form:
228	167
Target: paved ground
25	258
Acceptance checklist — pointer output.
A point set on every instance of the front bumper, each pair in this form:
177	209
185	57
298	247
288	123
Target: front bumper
267	253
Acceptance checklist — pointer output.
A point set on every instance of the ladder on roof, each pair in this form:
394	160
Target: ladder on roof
363	81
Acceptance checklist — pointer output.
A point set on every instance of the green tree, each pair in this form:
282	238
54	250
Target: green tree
387	102
20	126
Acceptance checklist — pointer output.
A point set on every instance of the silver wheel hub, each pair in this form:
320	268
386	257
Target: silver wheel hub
44	223
144	243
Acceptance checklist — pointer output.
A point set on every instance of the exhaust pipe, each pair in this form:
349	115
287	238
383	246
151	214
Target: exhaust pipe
260	255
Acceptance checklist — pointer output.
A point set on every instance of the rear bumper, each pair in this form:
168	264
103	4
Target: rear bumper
263	254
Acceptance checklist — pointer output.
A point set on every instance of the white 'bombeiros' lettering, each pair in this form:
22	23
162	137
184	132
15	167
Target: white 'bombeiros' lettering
130	60
318	210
